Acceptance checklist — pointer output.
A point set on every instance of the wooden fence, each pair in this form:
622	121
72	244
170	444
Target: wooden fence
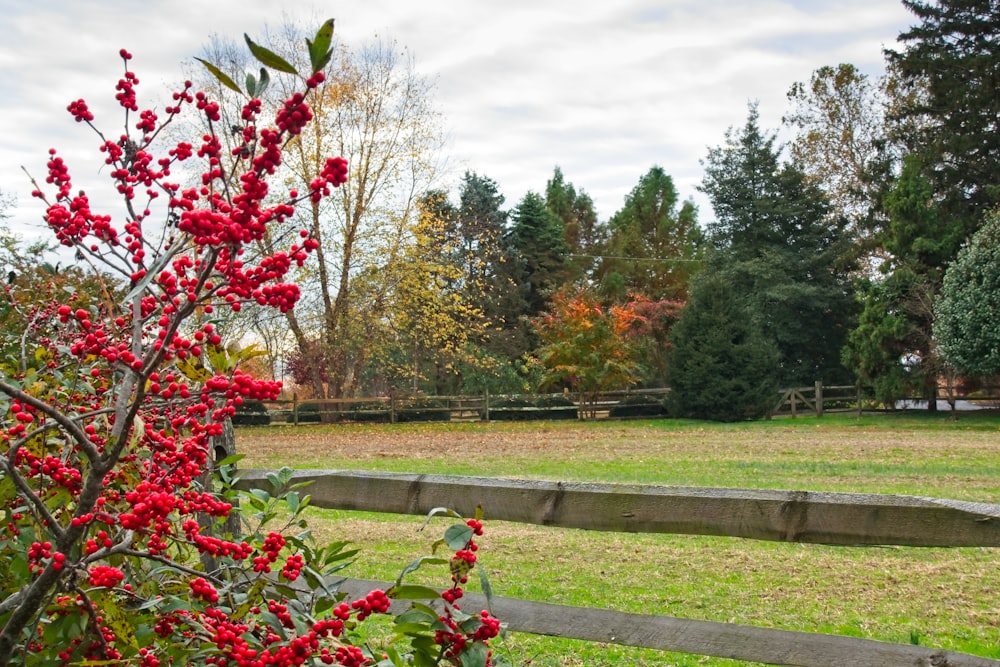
818	400
823	518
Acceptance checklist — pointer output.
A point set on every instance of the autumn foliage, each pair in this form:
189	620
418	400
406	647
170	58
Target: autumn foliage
589	348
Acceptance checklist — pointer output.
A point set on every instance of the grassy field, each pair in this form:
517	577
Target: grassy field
947	598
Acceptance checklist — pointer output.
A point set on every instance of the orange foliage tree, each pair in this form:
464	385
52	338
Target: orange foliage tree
588	348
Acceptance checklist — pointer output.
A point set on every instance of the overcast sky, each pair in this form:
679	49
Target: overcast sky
603	89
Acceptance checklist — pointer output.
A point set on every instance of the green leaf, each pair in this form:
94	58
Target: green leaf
413	592
457	536
220	75
231	460
484	583
475	655
319	46
417	615
251	85
418	563
268	58
439	510
292	500
263	81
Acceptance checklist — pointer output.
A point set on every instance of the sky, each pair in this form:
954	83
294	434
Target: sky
605	90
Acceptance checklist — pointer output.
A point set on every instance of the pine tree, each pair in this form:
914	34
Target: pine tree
653	246
778	245
721	365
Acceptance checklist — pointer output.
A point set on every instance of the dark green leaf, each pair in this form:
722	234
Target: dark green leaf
220	75
441	510
457	536
231	460
251	85
268	58
319	46
263	81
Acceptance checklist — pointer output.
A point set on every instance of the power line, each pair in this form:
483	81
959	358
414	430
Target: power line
641	259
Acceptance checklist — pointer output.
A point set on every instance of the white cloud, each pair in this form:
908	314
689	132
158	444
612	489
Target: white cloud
605	90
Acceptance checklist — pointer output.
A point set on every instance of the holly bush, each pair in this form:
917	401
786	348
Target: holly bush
116	549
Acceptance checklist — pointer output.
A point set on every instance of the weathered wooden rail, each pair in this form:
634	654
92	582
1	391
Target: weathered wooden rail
791	516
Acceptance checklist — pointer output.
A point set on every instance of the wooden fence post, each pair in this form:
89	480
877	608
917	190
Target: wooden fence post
295	409
486	405
819	398
392	408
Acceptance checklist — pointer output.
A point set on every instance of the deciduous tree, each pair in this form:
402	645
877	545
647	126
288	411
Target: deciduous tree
585	347
377	111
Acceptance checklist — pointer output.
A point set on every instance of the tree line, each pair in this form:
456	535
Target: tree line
859	252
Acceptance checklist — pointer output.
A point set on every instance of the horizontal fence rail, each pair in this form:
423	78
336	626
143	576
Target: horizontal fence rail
846	519
721	640
828	518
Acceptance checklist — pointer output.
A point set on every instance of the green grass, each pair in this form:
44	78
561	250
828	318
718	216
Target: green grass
946	598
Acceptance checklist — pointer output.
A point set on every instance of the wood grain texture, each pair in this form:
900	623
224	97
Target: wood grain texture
846	519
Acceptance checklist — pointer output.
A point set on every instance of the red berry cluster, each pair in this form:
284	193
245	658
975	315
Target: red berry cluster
333	174
272	546
375	602
294	115
104	576
293	567
203	590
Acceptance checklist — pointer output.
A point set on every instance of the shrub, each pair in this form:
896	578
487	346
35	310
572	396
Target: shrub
116	549
251	413
423	410
554	407
639	405
377	413
510	410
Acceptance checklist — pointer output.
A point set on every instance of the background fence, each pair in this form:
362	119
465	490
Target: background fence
647	403
823	518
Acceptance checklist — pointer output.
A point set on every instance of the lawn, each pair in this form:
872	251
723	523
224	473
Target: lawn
947	598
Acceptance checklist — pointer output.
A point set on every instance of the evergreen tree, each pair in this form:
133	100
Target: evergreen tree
893	348
952	56
721	366
538	245
778	245
489	268
653	247
582	231
967	314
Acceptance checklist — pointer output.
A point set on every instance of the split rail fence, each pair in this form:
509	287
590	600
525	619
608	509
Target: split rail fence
845	519
816	400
